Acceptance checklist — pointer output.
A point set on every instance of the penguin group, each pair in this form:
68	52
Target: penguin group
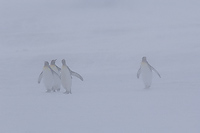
54	77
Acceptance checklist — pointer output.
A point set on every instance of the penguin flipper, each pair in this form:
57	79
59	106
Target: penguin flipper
59	69
138	73
155	71
40	77
55	73
76	75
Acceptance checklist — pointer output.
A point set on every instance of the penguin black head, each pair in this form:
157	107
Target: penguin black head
53	62
63	62
46	63
144	59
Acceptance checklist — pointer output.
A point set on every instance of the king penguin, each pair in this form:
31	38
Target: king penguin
57	81
146	71
48	76
66	77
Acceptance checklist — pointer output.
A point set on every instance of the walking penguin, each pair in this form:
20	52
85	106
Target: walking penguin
146	71
57	82
49	77
66	77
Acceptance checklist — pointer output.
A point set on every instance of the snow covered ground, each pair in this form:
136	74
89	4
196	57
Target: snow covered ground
104	41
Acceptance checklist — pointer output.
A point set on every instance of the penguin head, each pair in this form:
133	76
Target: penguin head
144	59
63	62
46	63
53	62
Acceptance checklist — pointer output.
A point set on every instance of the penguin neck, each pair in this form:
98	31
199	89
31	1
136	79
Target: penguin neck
144	62
52	65
64	65
46	67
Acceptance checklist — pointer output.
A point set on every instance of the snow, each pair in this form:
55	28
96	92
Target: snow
104	41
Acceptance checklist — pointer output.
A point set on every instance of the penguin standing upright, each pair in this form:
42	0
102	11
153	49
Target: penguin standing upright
146	71
48	76
57	81
66	77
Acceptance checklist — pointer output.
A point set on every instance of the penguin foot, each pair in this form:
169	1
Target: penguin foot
147	87
48	91
67	92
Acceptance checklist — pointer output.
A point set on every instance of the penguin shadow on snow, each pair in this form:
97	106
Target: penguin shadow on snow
54	77
146	72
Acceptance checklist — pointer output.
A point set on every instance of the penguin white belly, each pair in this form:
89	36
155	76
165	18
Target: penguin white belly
57	82
146	75
48	79
66	79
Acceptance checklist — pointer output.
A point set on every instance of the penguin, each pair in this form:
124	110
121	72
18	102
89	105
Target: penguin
48	76
57	82
58	70
146	71
66	77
